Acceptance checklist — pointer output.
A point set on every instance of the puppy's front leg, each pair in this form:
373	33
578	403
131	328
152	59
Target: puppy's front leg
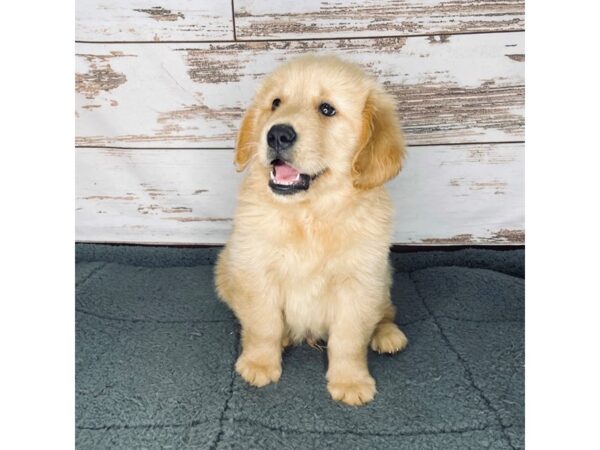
348	376
262	333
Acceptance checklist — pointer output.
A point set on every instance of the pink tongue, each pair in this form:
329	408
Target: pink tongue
284	172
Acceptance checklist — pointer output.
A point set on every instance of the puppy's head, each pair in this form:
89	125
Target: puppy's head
317	123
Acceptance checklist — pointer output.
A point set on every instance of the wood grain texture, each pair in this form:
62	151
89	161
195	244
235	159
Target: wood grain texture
144	20
458	194
266	19
450	89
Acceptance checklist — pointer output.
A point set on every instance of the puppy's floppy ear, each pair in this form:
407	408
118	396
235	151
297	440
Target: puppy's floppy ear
247	140
381	144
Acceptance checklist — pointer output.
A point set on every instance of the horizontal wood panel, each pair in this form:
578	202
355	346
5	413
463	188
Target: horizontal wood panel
160	20
456	194
450	89
267	19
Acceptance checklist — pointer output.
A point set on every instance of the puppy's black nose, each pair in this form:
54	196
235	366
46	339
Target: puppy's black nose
280	137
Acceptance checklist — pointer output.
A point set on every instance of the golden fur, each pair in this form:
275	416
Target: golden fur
314	265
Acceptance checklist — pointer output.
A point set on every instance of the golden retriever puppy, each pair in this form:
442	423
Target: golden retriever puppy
308	255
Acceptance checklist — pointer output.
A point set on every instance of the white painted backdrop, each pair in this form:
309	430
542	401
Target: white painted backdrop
161	91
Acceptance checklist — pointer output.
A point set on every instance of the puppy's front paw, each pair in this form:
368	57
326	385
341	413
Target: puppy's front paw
353	392
388	338
258	373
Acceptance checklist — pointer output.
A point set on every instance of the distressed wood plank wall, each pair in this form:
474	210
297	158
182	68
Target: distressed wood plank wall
144	20
161	88
265	19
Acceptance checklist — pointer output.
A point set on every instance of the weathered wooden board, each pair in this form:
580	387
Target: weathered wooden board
267	19
450	89
158	20
455	194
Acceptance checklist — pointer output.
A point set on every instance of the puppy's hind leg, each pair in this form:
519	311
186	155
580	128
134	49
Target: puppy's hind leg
387	337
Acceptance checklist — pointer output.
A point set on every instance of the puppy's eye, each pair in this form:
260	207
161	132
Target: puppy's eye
275	104
326	109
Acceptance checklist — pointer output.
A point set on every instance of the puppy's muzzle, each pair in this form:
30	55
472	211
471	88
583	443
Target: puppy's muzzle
285	179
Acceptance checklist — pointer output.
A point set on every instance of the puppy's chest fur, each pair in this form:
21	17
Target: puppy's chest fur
309	260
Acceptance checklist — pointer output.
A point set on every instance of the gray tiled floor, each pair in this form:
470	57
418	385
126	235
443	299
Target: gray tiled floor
155	355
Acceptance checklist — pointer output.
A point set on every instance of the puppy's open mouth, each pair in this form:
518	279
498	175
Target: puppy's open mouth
286	180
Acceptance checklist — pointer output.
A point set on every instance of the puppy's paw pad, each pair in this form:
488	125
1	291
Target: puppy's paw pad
258	373
353	393
389	339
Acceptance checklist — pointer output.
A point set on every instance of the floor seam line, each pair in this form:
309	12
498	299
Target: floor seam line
463	362
489	426
192	423
148	266
412	322
230	396
82	283
122	319
461	319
